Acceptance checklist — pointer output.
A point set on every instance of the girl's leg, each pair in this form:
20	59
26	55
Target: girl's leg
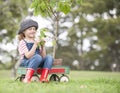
35	61
28	75
47	64
33	64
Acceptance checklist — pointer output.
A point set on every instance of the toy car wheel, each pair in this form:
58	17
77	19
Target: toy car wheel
35	78
64	78
54	77
22	77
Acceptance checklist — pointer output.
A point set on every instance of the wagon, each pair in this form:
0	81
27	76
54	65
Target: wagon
56	73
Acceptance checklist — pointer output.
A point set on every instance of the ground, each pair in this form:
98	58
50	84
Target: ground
80	82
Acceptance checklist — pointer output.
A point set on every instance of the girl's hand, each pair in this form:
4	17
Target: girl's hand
42	42
37	41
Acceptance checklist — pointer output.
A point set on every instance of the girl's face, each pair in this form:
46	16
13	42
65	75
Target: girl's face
30	32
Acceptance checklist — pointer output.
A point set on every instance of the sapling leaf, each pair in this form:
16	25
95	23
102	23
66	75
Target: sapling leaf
42	36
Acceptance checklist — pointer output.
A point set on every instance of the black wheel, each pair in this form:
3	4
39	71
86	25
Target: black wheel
18	78
35	78
22	77
64	78
54	77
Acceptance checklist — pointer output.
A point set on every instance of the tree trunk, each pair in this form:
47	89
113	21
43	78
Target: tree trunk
56	34
81	50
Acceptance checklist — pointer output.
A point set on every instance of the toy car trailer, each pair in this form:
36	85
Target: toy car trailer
57	73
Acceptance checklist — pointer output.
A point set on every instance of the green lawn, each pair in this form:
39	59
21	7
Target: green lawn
80	82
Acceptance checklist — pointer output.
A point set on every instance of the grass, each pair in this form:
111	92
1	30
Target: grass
80	82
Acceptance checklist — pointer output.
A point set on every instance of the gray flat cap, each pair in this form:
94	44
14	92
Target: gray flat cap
27	24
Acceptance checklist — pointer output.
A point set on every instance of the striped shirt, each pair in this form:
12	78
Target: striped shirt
22	48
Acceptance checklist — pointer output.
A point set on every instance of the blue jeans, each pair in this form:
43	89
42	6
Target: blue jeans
37	61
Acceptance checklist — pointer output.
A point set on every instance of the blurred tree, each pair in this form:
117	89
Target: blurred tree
11	13
97	21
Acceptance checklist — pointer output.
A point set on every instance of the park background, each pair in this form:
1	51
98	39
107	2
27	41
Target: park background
88	42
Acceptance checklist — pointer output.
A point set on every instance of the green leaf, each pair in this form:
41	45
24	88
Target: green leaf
42	43
42	33
64	7
79	1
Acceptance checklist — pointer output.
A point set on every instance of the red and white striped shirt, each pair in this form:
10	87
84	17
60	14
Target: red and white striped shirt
22	48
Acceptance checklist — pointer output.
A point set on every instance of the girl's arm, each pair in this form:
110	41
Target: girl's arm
30	53
24	51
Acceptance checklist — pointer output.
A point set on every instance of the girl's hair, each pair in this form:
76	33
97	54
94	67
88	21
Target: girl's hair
21	36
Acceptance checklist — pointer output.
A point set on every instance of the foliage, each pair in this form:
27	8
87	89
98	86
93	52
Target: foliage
98	22
49	7
11	14
42	36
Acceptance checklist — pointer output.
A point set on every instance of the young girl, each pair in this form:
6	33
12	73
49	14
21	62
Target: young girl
32	56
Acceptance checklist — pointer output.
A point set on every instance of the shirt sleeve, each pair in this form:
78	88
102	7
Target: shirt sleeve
22	48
